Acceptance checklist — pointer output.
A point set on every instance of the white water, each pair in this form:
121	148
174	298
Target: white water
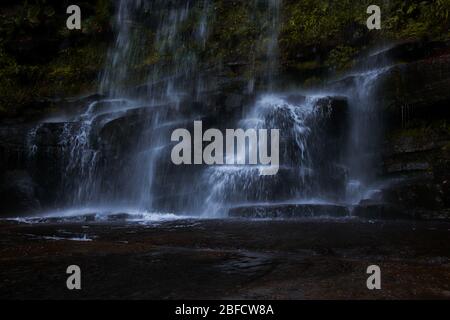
232	185
101	214
165	88
365	135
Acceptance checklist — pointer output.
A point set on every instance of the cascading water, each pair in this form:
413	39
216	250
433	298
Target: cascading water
126	51
169	84
268	41
87	168
363	142
116	152
298	178
273	19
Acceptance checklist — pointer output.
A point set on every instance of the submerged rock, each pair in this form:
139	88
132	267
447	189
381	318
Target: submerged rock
289	211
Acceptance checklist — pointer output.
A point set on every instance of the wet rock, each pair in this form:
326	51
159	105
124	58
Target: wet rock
414	84
296	98
409	51
121	134
417	157
13	134
13	147
234	101
17	191
226	259
408	144
406	167
119	217
334	106
70	107
415	195
383	211
289	211
334	112
417	90
415	98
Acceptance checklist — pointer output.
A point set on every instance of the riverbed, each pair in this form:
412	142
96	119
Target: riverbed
225	259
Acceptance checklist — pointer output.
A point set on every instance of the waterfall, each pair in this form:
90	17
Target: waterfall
32	147
174	82
170	83
162	80
273	19
126	51
152	93
116	151
364	138
268	40
297	180
235	185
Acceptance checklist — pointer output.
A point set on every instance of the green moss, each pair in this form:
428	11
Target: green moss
446	147
315	36
415	20
75	70
310	22
40	58
10	92
341	58
234	32
335	31
313	82
307	65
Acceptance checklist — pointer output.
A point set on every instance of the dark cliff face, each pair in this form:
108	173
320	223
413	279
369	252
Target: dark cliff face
413	97
42	63
416	147
414	158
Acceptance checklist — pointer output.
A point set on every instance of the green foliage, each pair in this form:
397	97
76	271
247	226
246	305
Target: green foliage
335	31
40	58
415	20
13	92
234	31
75	70
311	22
341	57
315	35
99	21
8	73
8	66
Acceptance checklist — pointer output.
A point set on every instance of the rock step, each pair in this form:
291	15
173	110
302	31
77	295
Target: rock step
289	211
381	211
377	211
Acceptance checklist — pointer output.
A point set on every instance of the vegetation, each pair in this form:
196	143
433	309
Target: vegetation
40	58
333	33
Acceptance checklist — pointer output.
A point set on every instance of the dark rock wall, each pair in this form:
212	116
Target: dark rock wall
416	97
415	157
42	65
